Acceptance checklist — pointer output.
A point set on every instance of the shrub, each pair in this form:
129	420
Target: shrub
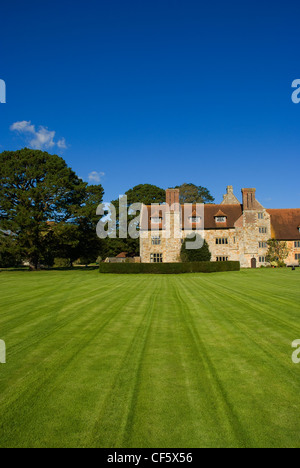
168	268
278	264
61	263
195	255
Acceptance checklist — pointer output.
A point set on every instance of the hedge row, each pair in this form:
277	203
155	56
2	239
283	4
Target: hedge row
169	268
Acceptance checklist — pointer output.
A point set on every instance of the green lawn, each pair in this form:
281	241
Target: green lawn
150	361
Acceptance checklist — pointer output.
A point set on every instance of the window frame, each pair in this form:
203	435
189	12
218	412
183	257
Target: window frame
156	257
225	239
221	219
195	219
156	240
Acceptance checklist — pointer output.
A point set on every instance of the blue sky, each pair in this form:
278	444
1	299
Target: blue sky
160	92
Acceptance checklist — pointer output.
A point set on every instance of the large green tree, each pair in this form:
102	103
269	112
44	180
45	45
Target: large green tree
38	192
190	193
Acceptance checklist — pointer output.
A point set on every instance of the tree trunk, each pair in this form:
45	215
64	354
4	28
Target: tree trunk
34	264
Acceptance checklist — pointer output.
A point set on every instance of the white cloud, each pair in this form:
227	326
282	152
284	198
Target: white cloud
96	176
62	143
38	139
23	127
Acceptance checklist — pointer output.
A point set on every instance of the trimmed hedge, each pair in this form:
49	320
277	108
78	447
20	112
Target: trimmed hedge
168	268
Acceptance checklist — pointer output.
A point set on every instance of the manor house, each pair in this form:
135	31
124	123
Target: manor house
234	231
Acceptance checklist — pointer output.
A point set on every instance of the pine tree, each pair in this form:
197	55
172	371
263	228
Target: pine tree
38	191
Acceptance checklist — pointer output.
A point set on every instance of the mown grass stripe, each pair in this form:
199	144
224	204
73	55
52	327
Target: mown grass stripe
150	360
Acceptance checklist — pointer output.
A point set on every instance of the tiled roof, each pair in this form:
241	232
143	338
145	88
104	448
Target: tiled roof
232	213
285	224
122	255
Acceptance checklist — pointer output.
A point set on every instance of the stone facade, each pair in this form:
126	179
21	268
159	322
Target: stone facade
294	252
233	231
169	242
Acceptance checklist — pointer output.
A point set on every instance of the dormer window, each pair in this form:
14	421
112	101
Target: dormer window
195	219
220	219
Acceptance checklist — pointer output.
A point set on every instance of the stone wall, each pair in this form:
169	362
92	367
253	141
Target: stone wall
170	241
291	260
123	260
250	237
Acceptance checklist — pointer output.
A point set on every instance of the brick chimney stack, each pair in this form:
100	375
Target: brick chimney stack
172	199
249	198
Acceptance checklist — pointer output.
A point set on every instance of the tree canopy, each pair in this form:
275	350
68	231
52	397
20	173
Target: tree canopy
146	194
190	193
40	196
